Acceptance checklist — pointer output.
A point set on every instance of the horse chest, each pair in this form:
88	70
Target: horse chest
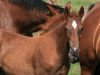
47	62
47	67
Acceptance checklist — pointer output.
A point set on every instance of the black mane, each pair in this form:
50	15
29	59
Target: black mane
31	4
39	5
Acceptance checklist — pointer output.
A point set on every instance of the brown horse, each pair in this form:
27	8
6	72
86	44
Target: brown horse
22	16
90	42
74	28
43	55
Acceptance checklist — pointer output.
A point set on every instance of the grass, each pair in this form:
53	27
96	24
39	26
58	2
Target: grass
75	68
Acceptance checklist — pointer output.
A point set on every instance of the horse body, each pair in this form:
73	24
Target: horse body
44	55
89	42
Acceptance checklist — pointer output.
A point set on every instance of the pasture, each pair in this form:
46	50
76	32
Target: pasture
75	68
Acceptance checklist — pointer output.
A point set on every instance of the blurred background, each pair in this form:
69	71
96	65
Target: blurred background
76	4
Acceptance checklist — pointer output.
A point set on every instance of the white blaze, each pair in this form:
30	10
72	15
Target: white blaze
74	24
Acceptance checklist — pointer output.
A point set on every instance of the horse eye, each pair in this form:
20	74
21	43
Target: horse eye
80	32
66	29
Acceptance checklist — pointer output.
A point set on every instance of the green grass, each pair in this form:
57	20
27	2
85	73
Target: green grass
74	69
76	4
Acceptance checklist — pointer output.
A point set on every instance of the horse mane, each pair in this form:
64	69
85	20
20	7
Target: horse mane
31	4
38	5
53	22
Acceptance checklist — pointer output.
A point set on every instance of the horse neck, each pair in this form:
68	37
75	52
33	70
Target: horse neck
92	20
58	35
92	25
53	22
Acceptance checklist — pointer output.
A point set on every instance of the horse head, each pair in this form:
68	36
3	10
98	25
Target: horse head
74	28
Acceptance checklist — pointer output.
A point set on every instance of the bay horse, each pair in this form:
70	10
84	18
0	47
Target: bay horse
22	16
90	42
42	55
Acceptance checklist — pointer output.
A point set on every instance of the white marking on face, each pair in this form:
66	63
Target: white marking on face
75	49
74	24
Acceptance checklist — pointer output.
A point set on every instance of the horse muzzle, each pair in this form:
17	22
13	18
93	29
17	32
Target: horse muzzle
74	54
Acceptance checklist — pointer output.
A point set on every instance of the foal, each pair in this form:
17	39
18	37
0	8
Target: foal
43	55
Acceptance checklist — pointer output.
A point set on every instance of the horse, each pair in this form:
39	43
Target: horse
89	52
73	31
11	25
42	55
22	16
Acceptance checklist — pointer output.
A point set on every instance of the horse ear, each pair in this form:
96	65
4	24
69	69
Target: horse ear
67	9
66	12
68	5
52	10
81	12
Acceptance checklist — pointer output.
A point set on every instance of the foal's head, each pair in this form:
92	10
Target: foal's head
74	28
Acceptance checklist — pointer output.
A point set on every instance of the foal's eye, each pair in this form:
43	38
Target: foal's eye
80	31
66	29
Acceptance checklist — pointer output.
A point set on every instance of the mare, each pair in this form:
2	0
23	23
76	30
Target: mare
42	55
23	16
90	42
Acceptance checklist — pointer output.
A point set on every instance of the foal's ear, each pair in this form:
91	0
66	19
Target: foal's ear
67	9
66	12
68	5
52	10
81	12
